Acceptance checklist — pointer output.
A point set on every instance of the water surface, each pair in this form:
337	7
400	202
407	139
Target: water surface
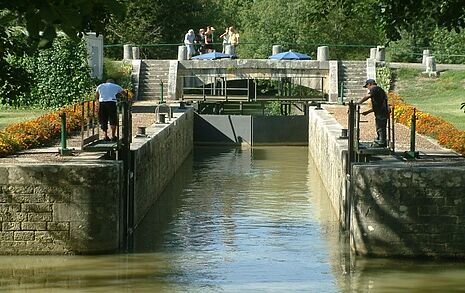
235	220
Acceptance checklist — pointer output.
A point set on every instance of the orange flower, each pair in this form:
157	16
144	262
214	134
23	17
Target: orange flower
437	128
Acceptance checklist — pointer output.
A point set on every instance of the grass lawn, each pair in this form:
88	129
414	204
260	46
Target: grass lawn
10	116
441	97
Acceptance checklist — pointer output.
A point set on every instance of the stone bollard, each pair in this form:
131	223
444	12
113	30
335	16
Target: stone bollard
127	52
430	64
276	49
229	49
135	53
380	53
322	53
182	53
426	54
373	53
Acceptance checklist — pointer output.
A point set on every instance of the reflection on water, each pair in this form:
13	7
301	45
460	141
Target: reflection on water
234	220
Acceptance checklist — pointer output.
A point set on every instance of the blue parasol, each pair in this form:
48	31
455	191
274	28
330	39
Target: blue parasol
213	56
290	56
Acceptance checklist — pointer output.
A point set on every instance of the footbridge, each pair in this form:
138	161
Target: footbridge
250	80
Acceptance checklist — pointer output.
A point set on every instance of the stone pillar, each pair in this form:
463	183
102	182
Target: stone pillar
135	53
373	53
371	68
182	52
430	64
380	53
94	46
229	49
426	54
323	53
276	49
333	82
127	52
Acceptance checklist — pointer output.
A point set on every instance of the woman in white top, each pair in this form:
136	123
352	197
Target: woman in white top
225	37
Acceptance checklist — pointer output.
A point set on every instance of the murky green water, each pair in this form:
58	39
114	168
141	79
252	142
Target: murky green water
234	221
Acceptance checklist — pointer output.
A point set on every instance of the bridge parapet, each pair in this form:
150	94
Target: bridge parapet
317	73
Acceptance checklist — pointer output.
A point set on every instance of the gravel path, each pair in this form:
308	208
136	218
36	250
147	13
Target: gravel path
368	132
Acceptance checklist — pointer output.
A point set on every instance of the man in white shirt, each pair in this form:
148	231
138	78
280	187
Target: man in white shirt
107	112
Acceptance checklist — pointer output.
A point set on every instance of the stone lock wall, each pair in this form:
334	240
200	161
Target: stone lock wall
157	157
329	154
409	210
59	208
397	208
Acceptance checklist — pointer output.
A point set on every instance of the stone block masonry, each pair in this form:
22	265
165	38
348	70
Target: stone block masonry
157	157
396	208
413	211
64	208
77	206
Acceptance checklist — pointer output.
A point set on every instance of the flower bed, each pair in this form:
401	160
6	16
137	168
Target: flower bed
40	131
444	132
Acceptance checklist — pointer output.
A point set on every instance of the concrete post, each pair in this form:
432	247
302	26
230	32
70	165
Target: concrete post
380	53
127	52
332	88
373	53
229	49
135	53
371	68
430	64
426	54
276	49
323	53
182	52
94	46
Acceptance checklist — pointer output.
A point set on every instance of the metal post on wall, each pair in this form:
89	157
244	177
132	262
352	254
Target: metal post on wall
412	154
350	160
63	149
161	92
341	95
393	137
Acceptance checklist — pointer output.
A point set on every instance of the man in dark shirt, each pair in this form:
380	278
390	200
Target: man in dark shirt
379	105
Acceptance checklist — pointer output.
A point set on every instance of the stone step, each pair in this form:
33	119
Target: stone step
153	80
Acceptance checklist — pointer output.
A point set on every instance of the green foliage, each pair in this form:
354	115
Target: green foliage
273	108
14	80
60	74
384	77
448	46
303	25
396	15
43	18
120	71
405	49
151	22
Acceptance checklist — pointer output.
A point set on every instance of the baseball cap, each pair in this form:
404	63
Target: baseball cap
369	81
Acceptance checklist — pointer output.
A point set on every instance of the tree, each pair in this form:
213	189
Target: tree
305	24
42	19
150	23
396	15
74	17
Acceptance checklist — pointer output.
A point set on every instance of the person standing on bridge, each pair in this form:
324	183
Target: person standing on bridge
380	107
189	39
233	38
106	94
225	37
209	39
